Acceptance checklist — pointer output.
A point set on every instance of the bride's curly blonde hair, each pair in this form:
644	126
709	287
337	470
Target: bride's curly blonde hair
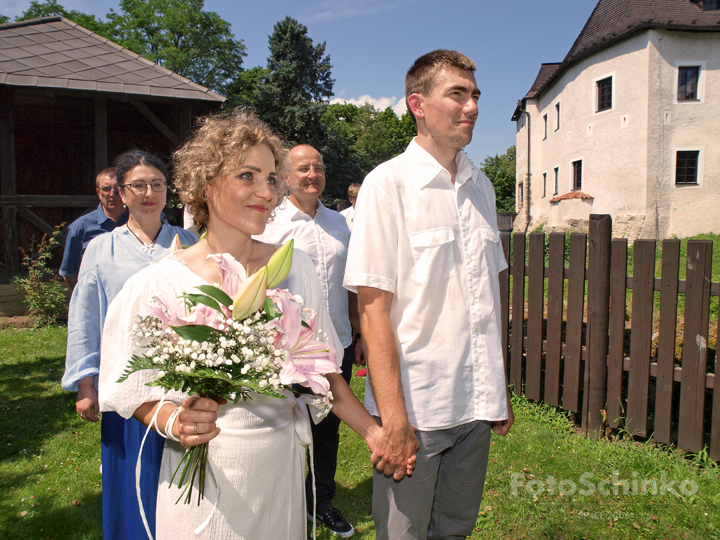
219	145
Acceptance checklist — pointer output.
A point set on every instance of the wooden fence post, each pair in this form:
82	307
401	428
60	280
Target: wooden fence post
573	329
641	336
598	312
666	341
556	281
536	281
517	270
616	345
694	360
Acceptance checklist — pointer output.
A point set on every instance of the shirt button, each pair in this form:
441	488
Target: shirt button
434	239
476	330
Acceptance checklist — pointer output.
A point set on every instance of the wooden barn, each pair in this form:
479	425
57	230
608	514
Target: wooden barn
70	101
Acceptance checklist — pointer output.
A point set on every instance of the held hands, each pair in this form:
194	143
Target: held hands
393	450
196	422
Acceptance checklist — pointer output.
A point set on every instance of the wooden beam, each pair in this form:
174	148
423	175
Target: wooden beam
101	151
8	179
185	120
155	121
36	220
49	201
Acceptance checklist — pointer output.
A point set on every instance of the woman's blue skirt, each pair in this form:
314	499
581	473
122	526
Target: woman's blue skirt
120	442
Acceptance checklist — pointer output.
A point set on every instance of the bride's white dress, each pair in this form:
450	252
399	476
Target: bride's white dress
258	459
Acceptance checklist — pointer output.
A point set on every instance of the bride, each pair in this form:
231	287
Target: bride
229	174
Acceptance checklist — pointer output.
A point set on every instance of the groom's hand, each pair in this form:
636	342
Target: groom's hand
395	448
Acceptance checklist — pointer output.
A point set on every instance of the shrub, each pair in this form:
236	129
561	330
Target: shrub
44	293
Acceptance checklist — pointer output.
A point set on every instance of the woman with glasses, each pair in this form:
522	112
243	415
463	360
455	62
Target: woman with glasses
110	259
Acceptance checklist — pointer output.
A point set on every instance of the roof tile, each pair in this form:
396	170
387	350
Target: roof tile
46	82
20	80
55	70
81	85
110	87
34	61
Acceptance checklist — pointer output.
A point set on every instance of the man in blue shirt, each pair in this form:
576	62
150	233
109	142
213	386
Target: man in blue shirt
109	214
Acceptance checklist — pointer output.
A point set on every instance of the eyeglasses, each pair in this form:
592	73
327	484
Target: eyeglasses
139	188
304	169
108	189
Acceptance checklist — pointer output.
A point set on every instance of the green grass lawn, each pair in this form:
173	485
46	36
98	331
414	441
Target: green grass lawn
538	483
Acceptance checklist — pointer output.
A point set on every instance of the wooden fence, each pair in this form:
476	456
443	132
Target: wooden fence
580	349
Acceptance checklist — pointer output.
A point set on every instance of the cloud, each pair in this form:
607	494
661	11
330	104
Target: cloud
329	10
398	105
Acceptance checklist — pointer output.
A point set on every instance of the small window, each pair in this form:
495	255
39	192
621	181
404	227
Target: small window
577	174
557	179
557	115
604	94
686	167
544	184
688	82
545	119
520	194
711	5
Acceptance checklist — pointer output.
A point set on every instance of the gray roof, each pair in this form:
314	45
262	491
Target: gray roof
613	20
54	52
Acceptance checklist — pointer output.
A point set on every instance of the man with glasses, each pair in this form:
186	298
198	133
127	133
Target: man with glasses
322	234
109	214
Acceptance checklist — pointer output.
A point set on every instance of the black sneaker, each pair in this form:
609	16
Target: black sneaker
334	521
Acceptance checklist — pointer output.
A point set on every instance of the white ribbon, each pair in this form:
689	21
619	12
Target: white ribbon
138	466
304	435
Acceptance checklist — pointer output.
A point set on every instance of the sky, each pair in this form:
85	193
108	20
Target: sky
372	43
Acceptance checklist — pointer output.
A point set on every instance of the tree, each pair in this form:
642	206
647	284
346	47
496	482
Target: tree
50	8
180	36
242	90
501	172
293	96
4	19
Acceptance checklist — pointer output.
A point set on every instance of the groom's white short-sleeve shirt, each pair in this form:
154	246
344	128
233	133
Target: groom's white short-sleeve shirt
435	245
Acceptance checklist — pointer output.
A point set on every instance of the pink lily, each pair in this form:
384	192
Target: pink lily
309	360
232	273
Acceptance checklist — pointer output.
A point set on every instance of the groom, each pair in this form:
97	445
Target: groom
424	259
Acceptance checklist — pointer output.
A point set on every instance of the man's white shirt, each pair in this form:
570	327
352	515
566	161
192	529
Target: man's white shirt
325	239
435	245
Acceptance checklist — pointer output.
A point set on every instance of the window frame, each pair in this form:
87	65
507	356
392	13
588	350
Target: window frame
610	79
577	172
545	119
557	180
544	185
557	113
700	85
714	5
698	166
684	85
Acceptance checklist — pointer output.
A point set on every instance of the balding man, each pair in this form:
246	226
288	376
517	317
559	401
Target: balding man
323	234
109	214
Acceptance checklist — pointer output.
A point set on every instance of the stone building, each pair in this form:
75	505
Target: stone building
628	124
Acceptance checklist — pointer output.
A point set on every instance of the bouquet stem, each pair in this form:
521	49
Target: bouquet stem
193	463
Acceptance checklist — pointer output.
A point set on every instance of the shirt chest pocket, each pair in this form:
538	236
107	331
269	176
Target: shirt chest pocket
434	256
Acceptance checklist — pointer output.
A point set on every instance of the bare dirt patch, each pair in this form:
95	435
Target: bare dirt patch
16	322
